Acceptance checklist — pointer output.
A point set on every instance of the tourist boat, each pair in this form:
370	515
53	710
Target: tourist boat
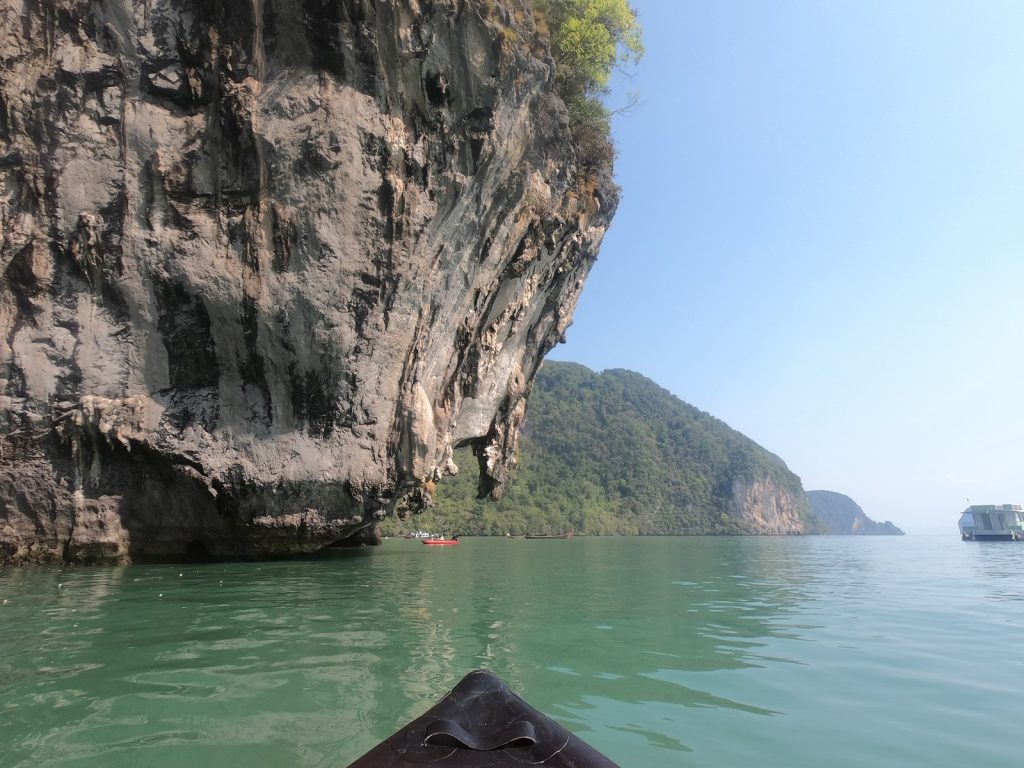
418	535
482	724
568	535
992	522
440	542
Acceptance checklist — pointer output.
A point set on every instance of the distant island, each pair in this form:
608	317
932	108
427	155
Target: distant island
841	514
614	453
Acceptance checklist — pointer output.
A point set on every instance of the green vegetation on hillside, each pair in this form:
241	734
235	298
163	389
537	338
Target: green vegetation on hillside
839	514
609	453
589	39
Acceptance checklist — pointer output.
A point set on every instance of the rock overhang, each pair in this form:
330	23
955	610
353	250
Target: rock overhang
266	263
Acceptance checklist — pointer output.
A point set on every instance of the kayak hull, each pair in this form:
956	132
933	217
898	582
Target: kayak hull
482	724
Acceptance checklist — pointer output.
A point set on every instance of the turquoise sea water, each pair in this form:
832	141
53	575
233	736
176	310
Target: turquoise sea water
658	651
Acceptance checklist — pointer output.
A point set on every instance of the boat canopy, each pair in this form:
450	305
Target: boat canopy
992	521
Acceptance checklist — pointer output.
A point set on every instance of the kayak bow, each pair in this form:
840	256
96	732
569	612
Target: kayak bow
482	724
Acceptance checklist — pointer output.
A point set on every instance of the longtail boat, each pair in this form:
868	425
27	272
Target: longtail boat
550	535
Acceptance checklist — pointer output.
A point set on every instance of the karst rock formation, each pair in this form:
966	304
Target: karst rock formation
265	263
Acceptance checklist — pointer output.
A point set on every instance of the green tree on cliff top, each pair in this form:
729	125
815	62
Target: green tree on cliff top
589	40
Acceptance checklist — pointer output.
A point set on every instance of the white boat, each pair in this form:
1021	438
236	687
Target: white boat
992	522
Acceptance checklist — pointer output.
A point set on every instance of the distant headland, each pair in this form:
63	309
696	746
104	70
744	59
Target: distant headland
842	515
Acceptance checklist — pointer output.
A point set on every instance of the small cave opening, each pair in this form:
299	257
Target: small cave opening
196	551
364	537
436	85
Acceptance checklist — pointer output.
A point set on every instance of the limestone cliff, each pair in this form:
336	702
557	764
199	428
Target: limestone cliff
266	262
766	506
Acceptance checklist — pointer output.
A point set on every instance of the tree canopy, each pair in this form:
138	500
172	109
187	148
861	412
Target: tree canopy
589	39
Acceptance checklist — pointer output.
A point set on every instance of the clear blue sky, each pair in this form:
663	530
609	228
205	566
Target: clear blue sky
821	241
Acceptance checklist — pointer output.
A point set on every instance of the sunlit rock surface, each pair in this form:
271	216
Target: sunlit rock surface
266	263
766	507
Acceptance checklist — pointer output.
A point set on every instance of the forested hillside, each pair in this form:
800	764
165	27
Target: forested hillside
840	514
614	453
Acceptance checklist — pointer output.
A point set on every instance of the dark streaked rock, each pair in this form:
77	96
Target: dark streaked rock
264	264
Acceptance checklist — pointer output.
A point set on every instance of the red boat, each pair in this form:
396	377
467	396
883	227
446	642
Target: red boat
439	542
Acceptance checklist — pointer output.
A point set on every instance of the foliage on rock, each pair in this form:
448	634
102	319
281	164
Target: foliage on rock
589	40
841	515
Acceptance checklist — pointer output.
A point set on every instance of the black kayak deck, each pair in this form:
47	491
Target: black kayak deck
481	723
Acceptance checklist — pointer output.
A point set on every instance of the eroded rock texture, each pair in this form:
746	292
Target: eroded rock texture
769	507
266	262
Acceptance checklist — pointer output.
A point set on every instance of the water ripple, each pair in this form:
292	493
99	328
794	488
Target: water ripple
660	652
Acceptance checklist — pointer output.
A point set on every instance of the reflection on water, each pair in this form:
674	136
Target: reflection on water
660	652
998	564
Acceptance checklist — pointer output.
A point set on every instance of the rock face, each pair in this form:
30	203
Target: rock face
766	506
842	515
266	262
